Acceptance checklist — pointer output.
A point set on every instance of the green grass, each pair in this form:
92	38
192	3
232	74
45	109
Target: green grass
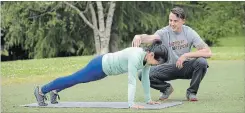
230	48
18	70
227	53
222	89
233	41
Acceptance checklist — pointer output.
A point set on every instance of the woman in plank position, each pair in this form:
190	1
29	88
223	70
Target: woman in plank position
128	60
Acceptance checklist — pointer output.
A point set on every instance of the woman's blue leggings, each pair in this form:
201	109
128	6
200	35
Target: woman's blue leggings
92	72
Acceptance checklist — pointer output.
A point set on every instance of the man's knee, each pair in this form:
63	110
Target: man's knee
202	62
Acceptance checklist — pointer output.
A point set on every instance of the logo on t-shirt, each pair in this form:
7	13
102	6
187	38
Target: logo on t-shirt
178	44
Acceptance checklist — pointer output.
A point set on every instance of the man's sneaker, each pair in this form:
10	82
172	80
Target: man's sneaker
191	97
53	97
40	97
165	95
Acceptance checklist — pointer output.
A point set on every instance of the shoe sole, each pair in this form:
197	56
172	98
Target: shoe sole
192	100
54	102
162	99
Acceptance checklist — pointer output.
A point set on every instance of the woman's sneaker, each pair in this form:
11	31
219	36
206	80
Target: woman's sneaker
53	97
40	97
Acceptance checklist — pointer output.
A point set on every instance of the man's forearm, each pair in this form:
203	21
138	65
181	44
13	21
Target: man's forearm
200	53
146	39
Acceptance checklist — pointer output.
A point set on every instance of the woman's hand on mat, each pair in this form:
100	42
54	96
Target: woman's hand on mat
153	102
137	107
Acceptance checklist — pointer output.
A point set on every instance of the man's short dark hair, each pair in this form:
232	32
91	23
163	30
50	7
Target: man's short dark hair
179	12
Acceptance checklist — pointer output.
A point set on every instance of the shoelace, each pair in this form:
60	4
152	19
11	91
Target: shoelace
58	96
45	98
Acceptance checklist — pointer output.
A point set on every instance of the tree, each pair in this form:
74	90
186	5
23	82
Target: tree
51	29
134	17
217	19
45	29
103	31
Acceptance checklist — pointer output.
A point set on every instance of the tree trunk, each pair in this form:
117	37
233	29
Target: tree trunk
97	42
100	16
105	39
104	45
96	34
101	34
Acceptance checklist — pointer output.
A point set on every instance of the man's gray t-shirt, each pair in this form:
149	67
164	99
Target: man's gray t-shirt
179	43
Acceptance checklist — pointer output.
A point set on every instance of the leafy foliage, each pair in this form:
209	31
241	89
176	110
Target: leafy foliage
218	19
51	29
45	29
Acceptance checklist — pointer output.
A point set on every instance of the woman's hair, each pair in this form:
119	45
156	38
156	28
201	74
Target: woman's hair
159	50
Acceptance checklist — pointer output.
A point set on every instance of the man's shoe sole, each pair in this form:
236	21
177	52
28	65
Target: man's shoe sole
193	100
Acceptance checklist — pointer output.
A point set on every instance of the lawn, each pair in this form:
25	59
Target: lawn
222	89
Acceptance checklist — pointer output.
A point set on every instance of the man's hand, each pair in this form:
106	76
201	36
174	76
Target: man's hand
137	107
153	102
136	41
179	63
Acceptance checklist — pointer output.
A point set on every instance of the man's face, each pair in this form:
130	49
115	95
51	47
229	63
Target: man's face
175	23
